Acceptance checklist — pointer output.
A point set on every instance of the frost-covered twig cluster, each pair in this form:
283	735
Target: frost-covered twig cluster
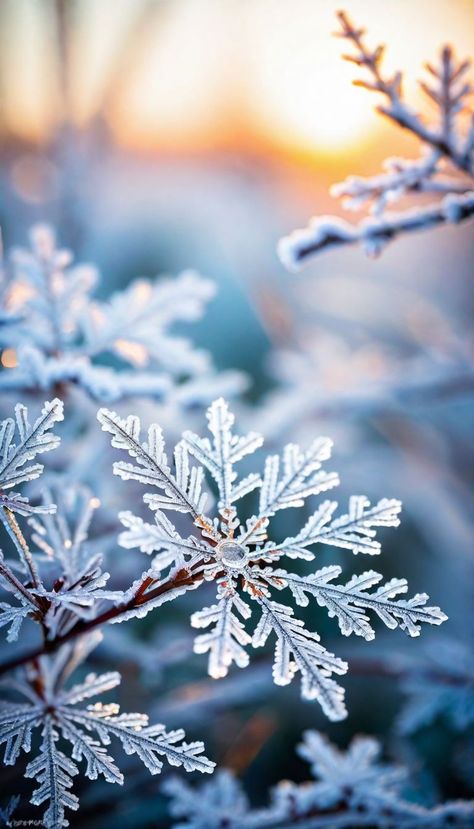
237	554
349	789
57	583
445	167
254	542
58	335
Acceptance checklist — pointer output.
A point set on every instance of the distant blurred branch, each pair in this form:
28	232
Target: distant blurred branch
429	391
283	405
198	699
395	670
446	141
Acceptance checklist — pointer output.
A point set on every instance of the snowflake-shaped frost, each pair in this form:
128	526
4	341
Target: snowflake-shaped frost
76	586
20	442
243	560
60	333
56	714
350	789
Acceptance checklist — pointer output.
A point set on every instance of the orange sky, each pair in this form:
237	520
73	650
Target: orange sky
195	74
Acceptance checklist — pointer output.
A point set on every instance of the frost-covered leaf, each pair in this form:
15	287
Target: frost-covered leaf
299	650
54	772
86	730
228	638
300	477
161	538
348	602
17	722
239	554
180	491
226	449
20	442
12	617
134	322
353	530
61	335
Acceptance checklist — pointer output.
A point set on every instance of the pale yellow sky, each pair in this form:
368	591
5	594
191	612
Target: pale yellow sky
175	72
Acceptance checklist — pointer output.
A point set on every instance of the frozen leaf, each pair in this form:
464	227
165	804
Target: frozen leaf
239	554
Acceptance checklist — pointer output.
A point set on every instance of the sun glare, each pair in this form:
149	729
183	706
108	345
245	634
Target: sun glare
192	74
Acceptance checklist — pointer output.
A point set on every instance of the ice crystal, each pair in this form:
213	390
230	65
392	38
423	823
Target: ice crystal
221	802
445	167
55	712
241	557
20	442
74	586
59	331
350	789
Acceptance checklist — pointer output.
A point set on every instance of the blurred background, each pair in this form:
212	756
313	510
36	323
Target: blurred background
157	135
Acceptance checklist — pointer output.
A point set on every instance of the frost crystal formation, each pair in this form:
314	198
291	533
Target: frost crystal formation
445	167
349	789
58	333
58	582
243	559
88	729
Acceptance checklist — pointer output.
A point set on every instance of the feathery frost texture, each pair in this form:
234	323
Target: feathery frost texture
58	582
20	442
66	582
445	167
58	331
244	561
56	713
350	789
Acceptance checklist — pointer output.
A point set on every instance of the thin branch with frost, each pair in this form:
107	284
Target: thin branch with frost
372	233
46	705
445	167
347	789
59	332
449	95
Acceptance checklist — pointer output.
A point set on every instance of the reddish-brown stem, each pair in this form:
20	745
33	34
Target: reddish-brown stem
182	578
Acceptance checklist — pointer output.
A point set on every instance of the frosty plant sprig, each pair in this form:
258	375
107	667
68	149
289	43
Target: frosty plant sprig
445	167
64	715
58	583
241	557
56	333
347	789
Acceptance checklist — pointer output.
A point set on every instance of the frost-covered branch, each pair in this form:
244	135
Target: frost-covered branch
239	555
51	709
373	233
445	166
448	93
348	789
57	333
147	594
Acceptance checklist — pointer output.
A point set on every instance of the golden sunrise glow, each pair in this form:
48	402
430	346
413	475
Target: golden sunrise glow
190	74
